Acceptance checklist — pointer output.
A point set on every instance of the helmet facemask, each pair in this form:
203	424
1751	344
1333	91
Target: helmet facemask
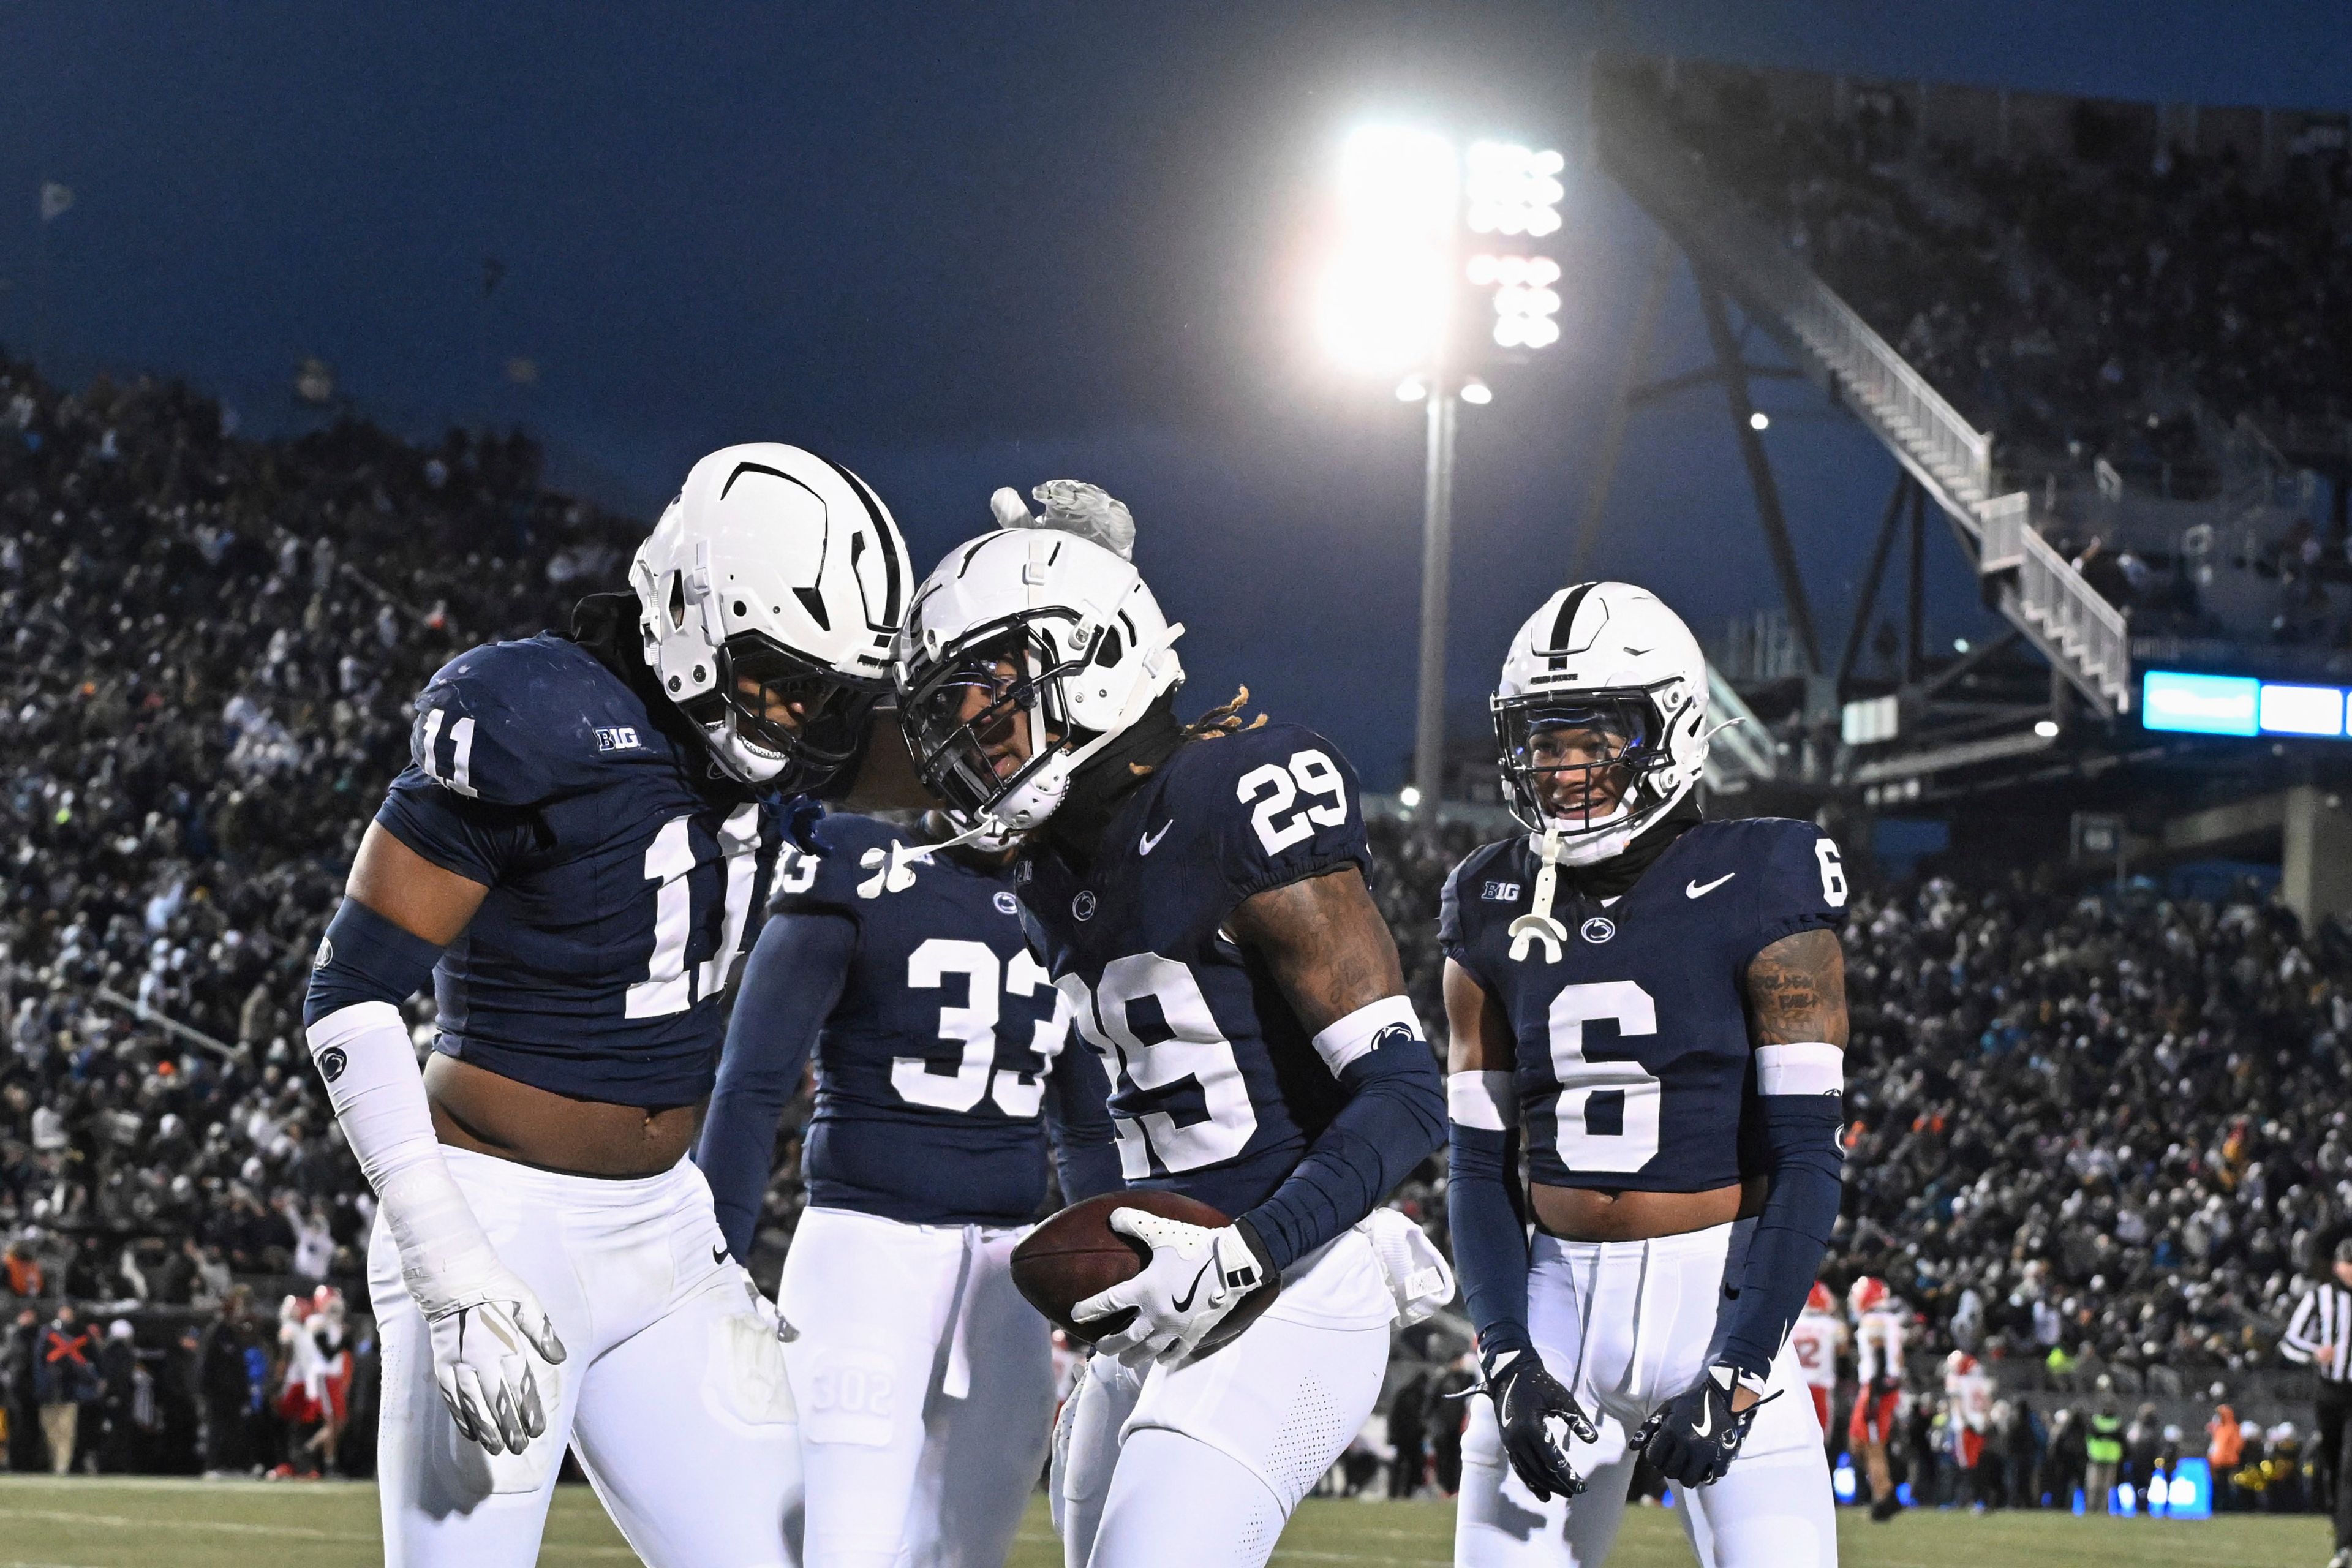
760	679
962	710
1592	764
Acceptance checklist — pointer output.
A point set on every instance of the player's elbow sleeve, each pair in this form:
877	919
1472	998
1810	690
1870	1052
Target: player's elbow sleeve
1393	1120
364	957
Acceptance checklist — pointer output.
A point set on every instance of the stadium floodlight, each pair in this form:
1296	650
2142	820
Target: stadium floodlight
1386	293
1760	420
1411	389
1477	393
2046	728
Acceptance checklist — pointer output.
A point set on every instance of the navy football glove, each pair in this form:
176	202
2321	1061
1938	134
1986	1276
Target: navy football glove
1538	1415
1692	1437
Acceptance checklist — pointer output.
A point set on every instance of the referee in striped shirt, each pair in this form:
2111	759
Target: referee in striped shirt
2320	1337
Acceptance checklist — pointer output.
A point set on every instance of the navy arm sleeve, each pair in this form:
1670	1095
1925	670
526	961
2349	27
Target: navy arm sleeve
1078	1120
1490	1236
1393	1120
789	983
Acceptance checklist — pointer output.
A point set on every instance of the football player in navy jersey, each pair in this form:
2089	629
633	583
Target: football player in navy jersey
1655	1005
574	857
1198	893
925	1382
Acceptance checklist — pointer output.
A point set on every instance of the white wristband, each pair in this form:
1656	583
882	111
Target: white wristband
1487	1101
1359	1033
373	1080
1804	1067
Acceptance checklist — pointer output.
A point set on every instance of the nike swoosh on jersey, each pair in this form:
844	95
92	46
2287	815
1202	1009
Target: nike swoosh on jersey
1694	889
1185	1302
1151	840
718	1256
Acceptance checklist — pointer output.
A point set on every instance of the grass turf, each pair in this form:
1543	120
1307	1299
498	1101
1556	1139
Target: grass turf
86	1523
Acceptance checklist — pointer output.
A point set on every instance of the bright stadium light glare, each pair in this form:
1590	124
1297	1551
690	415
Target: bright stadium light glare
1483	270
2046	728
1760	420
1384	295
1511	332
1411	389
1511	270
1542	272
1474	391
1547	162
1542	332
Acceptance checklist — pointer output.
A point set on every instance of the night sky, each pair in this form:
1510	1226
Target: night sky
960	247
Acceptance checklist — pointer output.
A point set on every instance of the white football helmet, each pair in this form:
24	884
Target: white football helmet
1035	622
1604	658
776	567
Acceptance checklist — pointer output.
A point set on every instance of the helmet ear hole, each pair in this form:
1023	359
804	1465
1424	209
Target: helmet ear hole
676	599
1110	651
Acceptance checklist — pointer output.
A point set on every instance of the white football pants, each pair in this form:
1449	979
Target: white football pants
1199	1465
1626	1326
672	1390
926	1387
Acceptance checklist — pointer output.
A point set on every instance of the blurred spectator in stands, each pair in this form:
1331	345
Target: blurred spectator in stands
65	1379
19	1356
20	1273
119	1445
2225	1450
1446	1410
1408	1417
225	1379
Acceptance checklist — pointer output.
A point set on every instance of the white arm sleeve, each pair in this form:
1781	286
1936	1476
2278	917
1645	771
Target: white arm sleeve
364	1054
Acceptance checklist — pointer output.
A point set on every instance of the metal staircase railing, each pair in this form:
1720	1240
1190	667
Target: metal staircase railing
2081	634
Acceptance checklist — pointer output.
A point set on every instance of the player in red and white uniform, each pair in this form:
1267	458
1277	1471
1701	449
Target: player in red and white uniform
1878	1325
1967	1394
1817	1338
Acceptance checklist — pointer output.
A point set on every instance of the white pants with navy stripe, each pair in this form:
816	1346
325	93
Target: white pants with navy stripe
926	1388
1199	1465
1627	1325
672	1390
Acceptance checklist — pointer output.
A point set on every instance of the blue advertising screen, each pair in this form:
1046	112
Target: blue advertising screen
2196	704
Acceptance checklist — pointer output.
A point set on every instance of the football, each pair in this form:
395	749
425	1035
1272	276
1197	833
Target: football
1075	1253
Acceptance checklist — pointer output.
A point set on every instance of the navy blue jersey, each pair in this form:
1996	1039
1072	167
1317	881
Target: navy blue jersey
622	874
938	1057
1633	1064
1216	1089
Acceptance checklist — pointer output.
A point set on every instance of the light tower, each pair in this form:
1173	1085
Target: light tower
1398	299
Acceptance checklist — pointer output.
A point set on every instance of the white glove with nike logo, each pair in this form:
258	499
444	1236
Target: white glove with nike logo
479	1359
1195	1276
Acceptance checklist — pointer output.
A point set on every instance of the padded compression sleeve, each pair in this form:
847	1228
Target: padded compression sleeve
365	958
1393	1120
1800	1091
791	980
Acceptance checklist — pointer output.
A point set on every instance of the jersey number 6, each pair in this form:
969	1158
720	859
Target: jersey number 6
1607	1111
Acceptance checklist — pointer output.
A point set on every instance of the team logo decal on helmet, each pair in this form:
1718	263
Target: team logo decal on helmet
1024	652
768	596
1600	718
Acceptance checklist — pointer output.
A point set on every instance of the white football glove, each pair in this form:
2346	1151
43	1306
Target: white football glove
1195	1276
482	1345
1072	506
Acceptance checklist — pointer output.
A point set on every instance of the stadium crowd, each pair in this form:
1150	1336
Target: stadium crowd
2122	307
2093	1137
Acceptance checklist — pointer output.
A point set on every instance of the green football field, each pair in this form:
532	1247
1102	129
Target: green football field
82	1522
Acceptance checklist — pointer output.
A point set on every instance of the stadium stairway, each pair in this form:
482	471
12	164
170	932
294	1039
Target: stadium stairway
2084	638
